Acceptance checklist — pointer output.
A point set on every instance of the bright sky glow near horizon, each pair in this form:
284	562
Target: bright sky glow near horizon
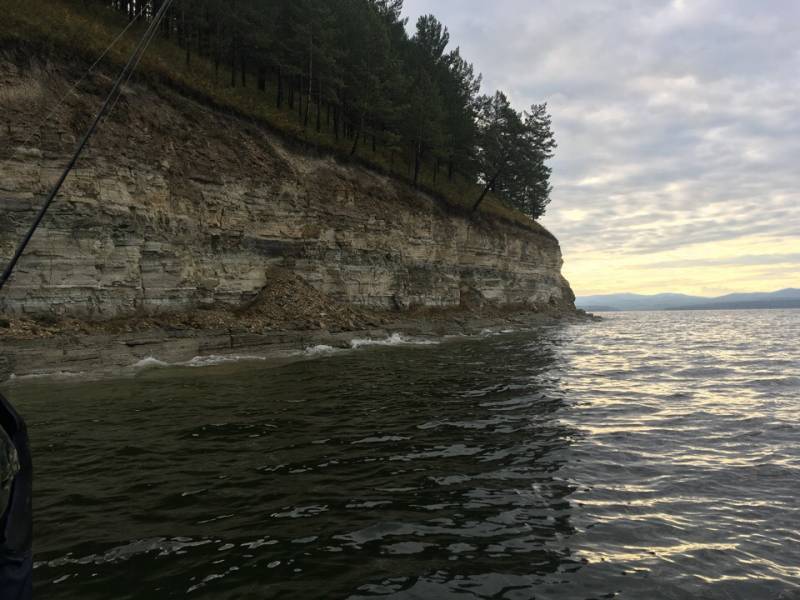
678	122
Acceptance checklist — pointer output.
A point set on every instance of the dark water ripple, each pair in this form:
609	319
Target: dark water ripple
652	456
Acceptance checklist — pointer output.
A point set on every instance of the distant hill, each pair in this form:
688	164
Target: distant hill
788	298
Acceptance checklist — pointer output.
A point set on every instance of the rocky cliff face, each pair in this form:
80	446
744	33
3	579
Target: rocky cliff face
176	206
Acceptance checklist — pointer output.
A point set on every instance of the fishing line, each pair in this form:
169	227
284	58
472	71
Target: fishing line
130	74
132	61
75	87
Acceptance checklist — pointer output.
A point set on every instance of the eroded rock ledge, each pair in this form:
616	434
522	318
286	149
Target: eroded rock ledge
102	352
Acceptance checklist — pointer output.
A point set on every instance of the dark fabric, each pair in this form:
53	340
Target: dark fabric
16	525
9	467
16	581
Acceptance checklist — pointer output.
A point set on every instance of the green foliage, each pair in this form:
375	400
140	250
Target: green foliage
343	75
512	152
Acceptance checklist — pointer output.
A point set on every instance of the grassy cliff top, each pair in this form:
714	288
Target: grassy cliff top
80	32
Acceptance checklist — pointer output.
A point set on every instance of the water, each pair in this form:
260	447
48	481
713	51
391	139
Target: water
651	456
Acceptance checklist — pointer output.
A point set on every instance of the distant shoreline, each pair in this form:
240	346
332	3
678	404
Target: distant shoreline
597	309
788	298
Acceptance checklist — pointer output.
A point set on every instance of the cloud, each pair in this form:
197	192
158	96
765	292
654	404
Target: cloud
755	259
678	125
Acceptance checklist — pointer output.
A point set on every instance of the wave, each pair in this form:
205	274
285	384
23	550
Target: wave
788	381
212	360
158	546
320	349
153	362
494	331
57	375
149	363
396	339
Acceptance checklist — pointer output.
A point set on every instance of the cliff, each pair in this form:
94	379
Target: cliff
177	206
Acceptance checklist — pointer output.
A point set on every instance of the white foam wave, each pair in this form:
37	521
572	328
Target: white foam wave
150	362
492	332
396	339
212	360
320	349
14	378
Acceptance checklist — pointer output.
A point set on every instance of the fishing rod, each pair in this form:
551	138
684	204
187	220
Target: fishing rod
124	75
16	518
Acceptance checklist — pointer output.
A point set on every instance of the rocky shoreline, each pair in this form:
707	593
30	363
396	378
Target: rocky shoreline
188	233
100	352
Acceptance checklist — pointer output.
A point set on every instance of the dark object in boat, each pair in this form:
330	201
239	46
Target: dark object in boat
16	522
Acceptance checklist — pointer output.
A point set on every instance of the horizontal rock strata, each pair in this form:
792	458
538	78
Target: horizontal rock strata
177	206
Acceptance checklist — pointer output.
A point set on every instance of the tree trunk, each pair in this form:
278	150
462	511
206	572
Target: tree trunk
300	97
180	21
489	186
167	24
336	122
358	135
310	80
417	163
279	93
319	107
262	79
217	52
233	61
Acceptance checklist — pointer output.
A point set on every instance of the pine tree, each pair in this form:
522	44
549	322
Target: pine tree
351	66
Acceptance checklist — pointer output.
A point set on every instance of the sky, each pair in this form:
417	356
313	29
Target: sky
678	123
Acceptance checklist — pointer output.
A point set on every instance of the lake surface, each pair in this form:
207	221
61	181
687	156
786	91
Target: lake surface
650	456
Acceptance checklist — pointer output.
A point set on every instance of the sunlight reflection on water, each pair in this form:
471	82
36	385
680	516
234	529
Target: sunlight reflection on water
653	455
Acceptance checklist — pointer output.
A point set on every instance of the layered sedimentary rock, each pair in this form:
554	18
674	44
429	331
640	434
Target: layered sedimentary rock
176	206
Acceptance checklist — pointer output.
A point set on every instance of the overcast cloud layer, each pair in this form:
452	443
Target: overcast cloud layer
679	132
